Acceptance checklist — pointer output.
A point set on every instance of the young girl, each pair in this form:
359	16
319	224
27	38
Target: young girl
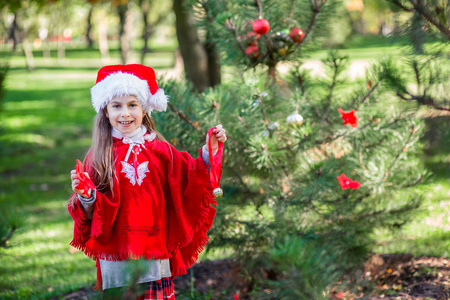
152	203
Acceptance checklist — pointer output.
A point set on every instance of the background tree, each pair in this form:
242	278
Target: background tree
150	21
89	39
434	12
200	59
292	140
431	76
125	31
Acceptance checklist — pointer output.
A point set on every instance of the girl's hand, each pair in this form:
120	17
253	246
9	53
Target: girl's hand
219	136
76	182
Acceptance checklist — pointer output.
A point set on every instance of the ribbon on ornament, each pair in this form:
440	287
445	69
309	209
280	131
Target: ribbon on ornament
216	166
85	182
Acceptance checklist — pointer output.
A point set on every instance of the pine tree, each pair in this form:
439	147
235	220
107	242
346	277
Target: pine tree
426	20
313	165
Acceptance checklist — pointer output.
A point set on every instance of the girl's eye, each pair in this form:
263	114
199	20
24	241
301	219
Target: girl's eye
116	106
133	105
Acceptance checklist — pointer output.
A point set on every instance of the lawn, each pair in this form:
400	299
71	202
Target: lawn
45	125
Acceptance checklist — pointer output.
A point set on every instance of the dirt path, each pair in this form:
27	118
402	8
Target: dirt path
394	276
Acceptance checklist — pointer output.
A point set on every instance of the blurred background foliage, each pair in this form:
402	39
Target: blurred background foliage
284	218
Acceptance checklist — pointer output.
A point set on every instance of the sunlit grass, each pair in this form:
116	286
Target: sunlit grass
38	259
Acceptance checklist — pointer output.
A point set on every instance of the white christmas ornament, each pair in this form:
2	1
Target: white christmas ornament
294	119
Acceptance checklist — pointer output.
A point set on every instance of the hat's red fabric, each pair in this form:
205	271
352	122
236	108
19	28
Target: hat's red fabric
140	71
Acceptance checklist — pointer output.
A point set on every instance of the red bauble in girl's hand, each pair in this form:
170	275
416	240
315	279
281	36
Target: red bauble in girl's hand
261	26
85	182
297	35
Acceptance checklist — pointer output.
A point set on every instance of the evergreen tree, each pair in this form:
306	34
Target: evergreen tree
313	165
426	20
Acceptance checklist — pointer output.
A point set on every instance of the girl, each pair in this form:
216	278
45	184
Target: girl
152	203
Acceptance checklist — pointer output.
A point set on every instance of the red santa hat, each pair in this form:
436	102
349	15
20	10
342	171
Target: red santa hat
123	80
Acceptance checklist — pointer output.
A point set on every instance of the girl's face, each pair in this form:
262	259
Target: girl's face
125	113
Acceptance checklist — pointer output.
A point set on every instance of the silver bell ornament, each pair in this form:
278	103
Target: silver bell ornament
217	192
294	119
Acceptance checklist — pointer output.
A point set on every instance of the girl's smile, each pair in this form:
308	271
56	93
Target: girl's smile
125	113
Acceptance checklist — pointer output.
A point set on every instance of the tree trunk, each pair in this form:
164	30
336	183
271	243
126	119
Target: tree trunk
89	28
213	62
126	24
28	54
61	47
13	32
59	32
103	40
195	59
147	30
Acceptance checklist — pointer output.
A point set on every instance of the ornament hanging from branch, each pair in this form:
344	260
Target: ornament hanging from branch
252	51
297	35
261	26
294	119
349	117
347	183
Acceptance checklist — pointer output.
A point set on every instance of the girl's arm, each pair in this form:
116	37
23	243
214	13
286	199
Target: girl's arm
76	182
219	136
87	201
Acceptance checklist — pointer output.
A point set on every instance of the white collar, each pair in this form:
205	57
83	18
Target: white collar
136	136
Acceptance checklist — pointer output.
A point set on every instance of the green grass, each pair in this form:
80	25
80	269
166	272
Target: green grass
45	125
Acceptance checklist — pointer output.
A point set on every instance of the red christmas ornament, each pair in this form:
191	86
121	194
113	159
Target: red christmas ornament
347	183
297	35
252	51
85	182
336	295
261	26
349	117
251	35
236	296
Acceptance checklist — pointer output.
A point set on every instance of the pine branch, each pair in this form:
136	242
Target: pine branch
424	99
367	216
397	157
204	5
337	64
185	118
263	112
414	183
366	96
241	181
420	7
403	7
331	89
230	26
301	83
346	196
394	79
315	7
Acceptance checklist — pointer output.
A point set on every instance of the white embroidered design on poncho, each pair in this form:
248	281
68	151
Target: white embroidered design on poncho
130	172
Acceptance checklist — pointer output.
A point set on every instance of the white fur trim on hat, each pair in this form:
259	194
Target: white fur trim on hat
124	84
158	100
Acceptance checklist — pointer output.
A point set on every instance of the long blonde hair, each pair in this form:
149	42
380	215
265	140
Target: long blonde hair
100	155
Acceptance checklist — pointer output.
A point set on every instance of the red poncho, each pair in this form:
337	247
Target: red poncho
160	209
